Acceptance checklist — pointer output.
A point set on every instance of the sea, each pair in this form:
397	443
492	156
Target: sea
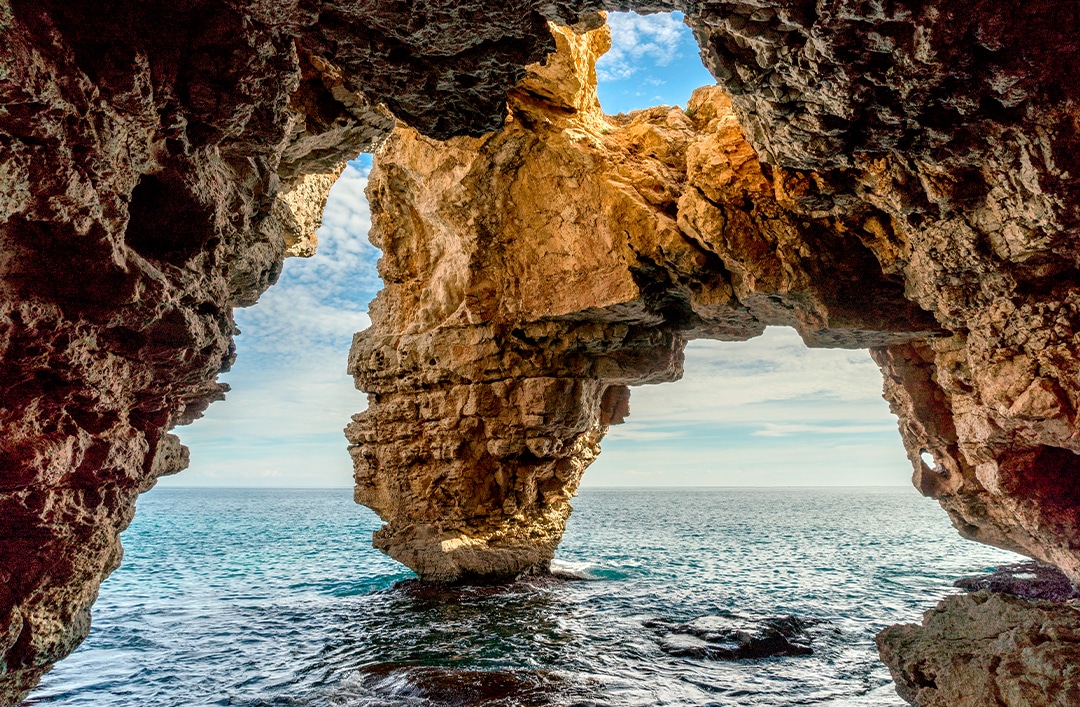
274	597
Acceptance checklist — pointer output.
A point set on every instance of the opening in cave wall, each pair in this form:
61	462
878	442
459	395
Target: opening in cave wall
653	61
764	412
290	394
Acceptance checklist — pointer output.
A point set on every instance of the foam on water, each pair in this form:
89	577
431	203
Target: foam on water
275	597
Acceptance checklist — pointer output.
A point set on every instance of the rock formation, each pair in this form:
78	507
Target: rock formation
500	249
533	273
987	649
523	267
916	192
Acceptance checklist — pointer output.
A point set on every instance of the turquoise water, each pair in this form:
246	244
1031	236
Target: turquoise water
275	597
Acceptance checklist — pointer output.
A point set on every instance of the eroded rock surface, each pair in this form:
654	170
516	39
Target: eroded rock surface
987	650
918	192
534	273
157	162
665	221
957	123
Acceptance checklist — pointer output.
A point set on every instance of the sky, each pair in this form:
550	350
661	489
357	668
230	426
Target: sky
768	412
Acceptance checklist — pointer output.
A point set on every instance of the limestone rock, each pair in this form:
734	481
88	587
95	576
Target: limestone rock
533	273
987	650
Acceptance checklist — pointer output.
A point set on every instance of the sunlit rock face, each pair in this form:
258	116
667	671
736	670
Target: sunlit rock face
667	220
522	268
534	273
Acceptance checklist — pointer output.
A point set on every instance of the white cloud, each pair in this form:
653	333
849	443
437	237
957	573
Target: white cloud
786	430
767	411
636	39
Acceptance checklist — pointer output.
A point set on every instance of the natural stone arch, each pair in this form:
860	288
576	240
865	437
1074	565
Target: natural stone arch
956	119
534	273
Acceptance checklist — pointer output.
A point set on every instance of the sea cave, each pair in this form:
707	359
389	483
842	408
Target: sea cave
893	176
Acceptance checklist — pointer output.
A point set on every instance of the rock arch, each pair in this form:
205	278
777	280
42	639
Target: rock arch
534	273
934	141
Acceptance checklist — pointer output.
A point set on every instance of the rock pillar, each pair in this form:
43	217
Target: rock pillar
533	273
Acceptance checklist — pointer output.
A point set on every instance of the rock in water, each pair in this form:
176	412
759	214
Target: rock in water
1029	580
987	650
735	638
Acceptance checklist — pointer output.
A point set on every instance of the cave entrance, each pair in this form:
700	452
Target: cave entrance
290	395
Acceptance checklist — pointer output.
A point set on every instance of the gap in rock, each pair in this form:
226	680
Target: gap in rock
765	412
281	423
653	60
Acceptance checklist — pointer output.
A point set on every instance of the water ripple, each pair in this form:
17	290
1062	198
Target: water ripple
275	598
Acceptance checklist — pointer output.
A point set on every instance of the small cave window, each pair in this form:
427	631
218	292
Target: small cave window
653	61
166	222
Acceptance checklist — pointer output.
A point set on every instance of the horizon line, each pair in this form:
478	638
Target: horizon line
591	486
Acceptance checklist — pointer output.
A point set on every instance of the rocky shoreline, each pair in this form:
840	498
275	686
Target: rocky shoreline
1012	641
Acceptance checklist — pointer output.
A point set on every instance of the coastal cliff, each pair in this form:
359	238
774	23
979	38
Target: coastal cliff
899	177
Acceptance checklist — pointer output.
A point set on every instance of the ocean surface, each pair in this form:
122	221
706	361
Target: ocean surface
275	597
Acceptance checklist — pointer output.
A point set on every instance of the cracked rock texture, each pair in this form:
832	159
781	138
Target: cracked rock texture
916	192
987	650
534	273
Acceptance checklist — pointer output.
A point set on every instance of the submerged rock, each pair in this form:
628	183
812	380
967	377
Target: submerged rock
734	637
987	650
1029	580
430	685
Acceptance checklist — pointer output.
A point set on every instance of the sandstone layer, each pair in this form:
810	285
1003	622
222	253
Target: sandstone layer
916	190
